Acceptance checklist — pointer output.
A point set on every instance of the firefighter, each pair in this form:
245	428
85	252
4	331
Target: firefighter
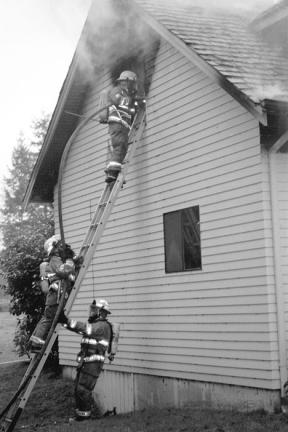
57	268
122	102
96	340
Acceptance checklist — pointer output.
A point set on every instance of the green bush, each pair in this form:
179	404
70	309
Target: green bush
21	260
24	232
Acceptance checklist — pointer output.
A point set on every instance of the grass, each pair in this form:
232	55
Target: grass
51	404
7	332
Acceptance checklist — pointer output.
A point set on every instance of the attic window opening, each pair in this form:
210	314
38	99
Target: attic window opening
182	241
134	63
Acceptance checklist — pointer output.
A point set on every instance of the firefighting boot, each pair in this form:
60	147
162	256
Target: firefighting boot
111	175
78	419
80	416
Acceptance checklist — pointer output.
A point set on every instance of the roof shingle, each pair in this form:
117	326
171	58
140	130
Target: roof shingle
226	42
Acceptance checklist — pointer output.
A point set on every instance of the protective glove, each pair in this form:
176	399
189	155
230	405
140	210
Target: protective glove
139	102
71	277
68	252
78	260
111	357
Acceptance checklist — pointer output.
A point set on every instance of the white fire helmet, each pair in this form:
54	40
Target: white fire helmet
50	243
103	304
127	76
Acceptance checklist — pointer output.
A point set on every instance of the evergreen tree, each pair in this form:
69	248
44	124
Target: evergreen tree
23	236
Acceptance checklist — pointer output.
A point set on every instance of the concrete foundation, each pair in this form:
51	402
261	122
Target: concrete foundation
132	392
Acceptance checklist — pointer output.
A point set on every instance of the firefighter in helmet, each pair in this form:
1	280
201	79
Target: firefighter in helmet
96	340
57	268
121	111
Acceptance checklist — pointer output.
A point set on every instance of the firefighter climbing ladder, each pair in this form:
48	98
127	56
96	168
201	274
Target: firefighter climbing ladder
14	408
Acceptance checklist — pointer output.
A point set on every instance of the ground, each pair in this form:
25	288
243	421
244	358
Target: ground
7	329
50	406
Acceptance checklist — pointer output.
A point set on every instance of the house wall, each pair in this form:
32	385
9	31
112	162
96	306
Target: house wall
281	161
217	325
276	173
276	220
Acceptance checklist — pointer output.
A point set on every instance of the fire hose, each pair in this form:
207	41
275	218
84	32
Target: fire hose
64	160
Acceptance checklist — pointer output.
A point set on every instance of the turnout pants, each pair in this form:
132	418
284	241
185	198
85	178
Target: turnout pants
119	140
86	378
42	329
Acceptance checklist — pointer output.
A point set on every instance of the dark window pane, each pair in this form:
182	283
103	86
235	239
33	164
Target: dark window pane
173	243
191	238
182	240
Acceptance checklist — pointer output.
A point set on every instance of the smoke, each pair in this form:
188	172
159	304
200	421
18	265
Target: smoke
273	91
100	33
112	32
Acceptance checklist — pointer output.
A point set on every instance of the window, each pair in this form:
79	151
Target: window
182	240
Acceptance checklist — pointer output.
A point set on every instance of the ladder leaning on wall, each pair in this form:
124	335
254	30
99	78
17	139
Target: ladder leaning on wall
15	406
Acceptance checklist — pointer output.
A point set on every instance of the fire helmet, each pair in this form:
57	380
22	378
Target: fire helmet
50	243
102	304
127	76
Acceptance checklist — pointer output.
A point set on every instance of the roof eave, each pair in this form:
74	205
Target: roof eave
255	109
51	129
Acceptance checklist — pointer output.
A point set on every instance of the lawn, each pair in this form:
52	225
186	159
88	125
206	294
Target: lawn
7	330
51	405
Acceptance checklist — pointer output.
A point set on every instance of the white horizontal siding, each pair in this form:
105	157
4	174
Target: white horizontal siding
277	226
200	147
281	180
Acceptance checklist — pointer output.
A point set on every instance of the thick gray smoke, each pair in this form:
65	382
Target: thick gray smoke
113	32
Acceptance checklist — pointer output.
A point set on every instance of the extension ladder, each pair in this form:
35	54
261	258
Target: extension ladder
103	210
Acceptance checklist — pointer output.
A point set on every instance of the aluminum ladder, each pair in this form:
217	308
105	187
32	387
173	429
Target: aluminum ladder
14	408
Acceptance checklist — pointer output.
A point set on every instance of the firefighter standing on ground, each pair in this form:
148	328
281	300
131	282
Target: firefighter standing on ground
121	111
58	268
96	341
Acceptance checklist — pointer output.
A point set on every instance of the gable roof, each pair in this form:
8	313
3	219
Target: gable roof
225	41
220	43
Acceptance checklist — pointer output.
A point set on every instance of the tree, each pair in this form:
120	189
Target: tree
24	233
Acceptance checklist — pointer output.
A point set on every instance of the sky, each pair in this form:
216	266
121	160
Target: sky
37	42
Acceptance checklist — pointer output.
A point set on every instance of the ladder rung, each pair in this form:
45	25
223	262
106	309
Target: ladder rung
8	420
94	225
86	246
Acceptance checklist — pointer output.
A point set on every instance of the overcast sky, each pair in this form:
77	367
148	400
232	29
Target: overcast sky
37	42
